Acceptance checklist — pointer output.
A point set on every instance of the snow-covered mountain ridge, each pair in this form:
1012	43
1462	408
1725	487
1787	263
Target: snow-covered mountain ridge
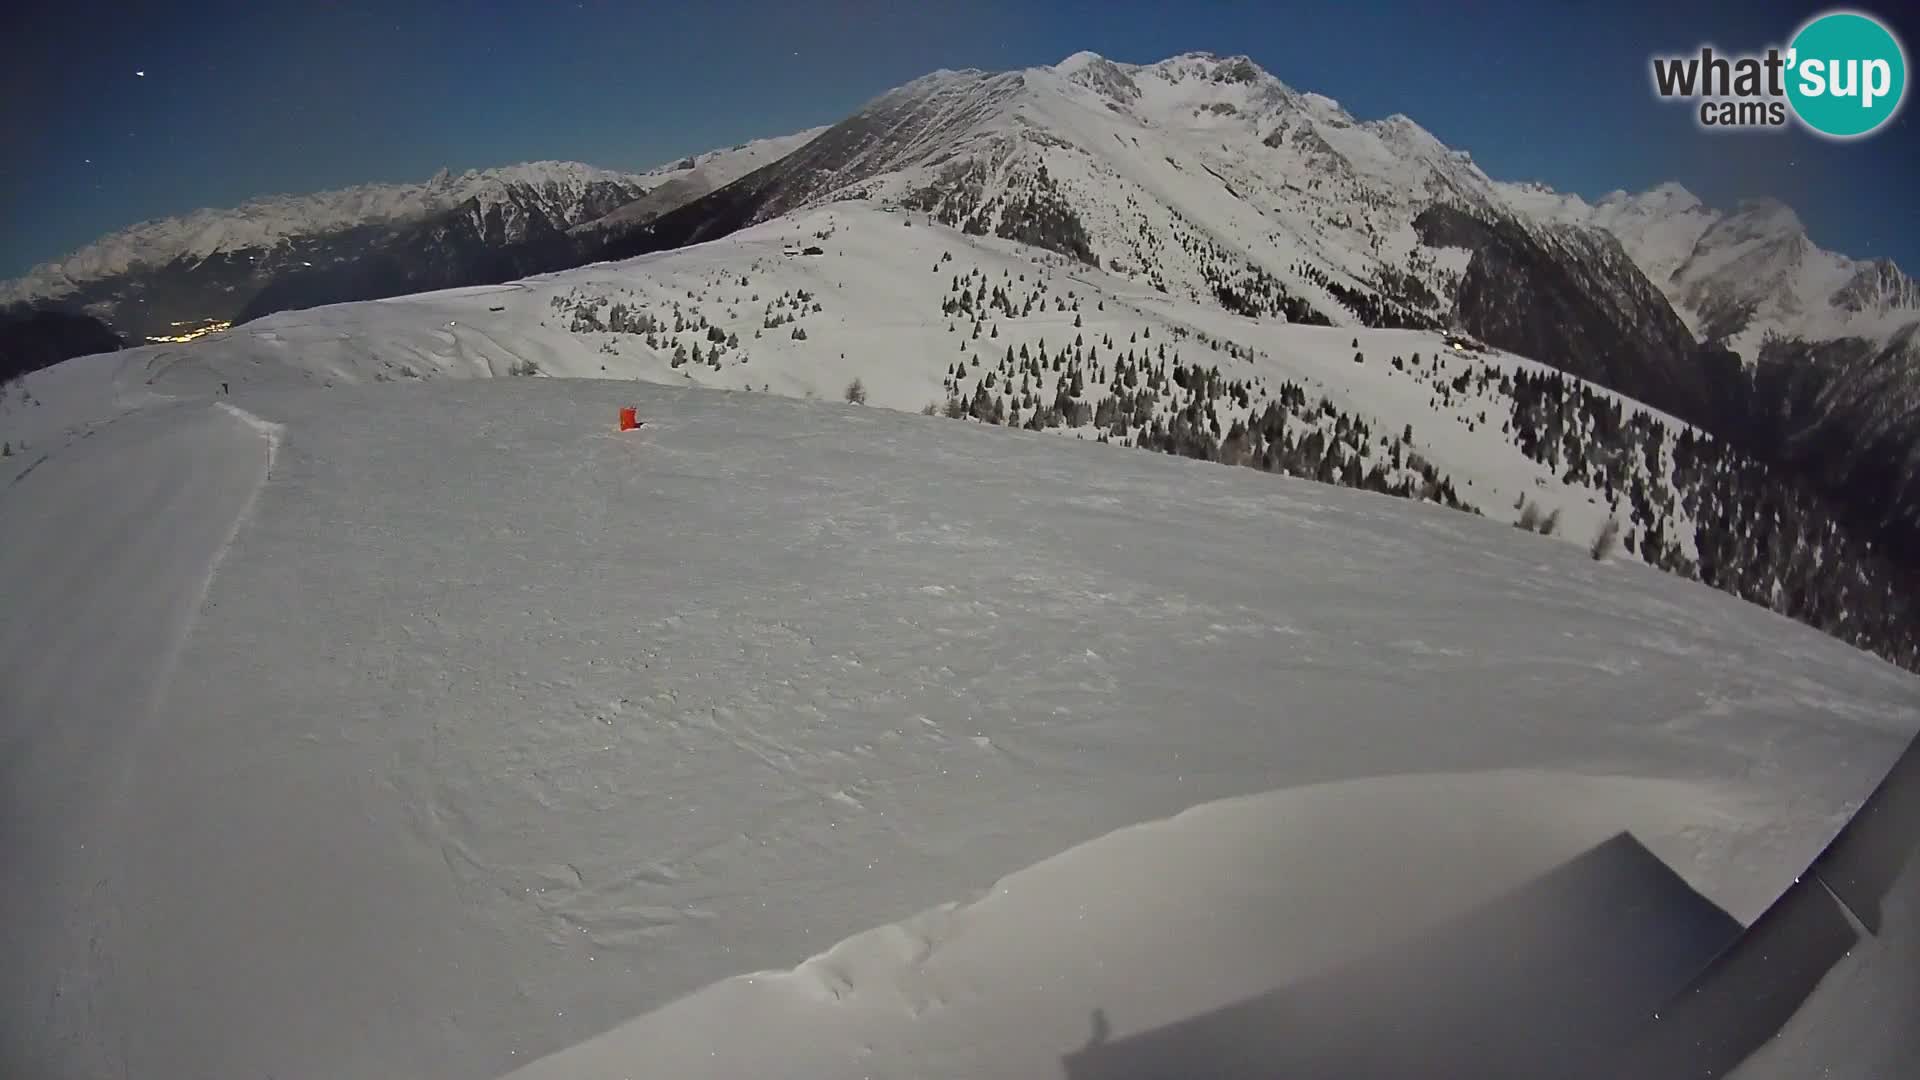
1829	345
1207	178
1743	275
560	187
1198	172
569	193
1332	196
1287	188
177	276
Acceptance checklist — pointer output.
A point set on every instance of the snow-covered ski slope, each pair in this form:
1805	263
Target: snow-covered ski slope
431	729
876	307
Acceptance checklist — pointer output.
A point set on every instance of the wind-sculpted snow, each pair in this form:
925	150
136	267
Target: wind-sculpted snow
1157	924
497	728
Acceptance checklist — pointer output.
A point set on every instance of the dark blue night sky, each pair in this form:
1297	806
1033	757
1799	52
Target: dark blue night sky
247	99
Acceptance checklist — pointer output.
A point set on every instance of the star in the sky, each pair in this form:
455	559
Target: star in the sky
142	74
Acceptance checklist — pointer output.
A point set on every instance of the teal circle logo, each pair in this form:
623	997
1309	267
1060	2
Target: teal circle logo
1846	74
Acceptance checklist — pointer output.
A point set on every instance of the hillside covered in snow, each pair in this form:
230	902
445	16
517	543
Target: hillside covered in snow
928	317
433	728
1200	176
1208	179
1829	346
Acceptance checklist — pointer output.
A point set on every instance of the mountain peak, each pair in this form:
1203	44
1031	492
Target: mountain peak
1326	108
1239	69
1662	199
1210	67
1672	191
1401	131
1878	286
1768	214
943	78
1096	72
1079	62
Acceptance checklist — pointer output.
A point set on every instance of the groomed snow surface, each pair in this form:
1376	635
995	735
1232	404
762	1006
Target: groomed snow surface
430	730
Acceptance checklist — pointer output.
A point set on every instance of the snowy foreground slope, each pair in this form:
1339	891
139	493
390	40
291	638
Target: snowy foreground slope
429	730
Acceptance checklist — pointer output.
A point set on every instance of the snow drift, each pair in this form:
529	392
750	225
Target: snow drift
454	728
1155	924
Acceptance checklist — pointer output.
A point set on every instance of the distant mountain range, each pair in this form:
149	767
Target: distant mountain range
1201	176
1736	278
1743	276
1832	344
161	279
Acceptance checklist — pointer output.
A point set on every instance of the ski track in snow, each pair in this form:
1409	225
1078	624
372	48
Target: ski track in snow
108	556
